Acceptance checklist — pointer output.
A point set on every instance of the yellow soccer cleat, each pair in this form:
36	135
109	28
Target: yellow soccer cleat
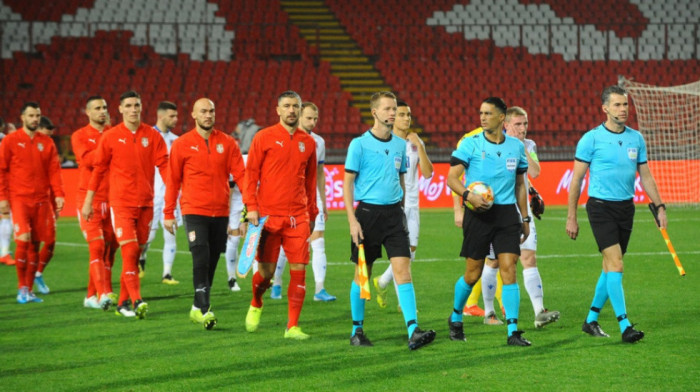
295	333
252	319
168	279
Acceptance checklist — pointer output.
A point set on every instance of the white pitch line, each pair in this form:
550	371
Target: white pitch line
434	260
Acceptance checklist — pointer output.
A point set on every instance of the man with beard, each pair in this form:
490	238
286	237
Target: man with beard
281	184
200	164
29	161
98	231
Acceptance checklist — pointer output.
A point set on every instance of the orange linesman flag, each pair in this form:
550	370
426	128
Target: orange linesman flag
364	276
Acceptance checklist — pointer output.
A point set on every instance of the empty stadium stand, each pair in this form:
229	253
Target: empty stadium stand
442	56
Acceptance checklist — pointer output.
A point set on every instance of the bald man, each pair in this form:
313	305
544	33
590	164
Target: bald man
200	163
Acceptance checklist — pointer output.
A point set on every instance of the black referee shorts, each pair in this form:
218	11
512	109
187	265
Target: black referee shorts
499	226
206	230
611	222
381	225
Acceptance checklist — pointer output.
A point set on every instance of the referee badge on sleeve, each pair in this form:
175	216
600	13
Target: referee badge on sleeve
397	163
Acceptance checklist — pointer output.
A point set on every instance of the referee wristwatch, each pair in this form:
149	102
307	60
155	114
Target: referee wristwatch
527	219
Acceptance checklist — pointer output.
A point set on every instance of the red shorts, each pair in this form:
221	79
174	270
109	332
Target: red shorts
292	235
38	219
132	223
99	225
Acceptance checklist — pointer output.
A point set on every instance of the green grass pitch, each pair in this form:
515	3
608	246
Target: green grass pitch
60	346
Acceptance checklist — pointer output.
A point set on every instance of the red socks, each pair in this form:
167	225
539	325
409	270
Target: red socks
296	293
96	282
130	271
21	249
45	255
260	285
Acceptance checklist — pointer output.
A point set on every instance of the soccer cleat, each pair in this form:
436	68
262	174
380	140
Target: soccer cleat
142	268
516	339
473	310
295	333
22	296
252	319
456	330
631	335
208	319
546	317
105	302
276	292
491	319
33	298
593	329
233	285
8	259
168	279
324	296
420	338
41	285
381	294
359	339
140	309
125	310
91	302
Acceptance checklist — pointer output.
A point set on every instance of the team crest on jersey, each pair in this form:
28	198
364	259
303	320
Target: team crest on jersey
118	232
511	164
302	147
192	236
632	153
220	148
40	146
144	141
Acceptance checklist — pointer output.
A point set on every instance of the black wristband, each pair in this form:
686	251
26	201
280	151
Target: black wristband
465	195
527	219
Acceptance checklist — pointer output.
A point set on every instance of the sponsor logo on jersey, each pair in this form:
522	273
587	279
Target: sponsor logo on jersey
122	140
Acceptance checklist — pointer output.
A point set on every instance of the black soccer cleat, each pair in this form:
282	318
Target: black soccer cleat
593	329
359	339
631	335
420	338
456	330
516	339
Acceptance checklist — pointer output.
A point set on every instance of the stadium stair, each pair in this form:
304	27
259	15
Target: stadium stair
319	26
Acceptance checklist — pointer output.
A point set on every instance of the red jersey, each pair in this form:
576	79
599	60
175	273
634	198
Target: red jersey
131	159
30	166
201	168
281	173
84	142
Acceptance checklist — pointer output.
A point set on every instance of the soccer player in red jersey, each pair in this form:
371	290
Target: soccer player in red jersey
200	163
46	127
130	151
98	230
29	161
280	183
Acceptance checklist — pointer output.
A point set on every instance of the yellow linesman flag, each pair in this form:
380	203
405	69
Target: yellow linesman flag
364	276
